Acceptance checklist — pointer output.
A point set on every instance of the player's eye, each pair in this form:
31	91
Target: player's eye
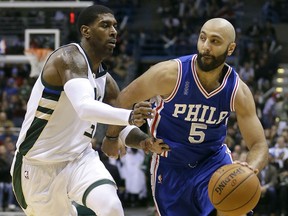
105	25
215	41
202	38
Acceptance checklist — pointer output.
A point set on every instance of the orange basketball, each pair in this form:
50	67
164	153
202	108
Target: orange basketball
234	189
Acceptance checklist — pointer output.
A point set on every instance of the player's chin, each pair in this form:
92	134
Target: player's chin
111	46
109	51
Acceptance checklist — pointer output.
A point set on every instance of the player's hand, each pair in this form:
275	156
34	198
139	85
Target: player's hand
256	171
113	148
154	145
141	111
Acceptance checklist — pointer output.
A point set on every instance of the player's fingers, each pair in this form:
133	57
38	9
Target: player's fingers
108	154
139	119
145	115
148	146
256	171
122	151
139	122
244	163
143	112
161	144
114	156
157	141
165	147
142	104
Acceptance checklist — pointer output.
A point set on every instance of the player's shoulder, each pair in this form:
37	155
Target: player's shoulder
67	54
68	49
162	72
243	88
244	97
164	67
167	63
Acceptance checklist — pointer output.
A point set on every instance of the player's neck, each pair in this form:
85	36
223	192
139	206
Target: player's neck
210	80
94	61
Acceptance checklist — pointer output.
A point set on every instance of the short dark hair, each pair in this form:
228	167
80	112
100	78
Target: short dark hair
90	14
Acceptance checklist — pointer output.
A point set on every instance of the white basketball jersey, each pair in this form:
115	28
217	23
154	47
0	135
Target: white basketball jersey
52	131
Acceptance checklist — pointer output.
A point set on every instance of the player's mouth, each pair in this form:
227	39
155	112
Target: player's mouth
207	56
112	43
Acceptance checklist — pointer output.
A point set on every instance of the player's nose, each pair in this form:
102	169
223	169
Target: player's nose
206	46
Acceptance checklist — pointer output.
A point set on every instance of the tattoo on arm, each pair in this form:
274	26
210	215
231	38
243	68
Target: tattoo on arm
135	137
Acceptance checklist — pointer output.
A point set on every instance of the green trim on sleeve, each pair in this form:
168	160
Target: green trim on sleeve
94	185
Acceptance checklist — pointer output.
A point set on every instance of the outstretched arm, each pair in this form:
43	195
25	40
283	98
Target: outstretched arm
159	79
111	145
138	139
67	67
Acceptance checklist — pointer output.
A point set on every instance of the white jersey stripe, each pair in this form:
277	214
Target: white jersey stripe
50	104
232	103
179	77
42	115
199	85
153	171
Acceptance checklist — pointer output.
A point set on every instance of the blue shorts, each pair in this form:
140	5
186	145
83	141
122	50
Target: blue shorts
214	213
183	189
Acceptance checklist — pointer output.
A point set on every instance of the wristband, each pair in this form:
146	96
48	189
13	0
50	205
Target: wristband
124	133
131	118
112	138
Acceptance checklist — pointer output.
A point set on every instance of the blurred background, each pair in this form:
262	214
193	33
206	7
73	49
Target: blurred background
151	31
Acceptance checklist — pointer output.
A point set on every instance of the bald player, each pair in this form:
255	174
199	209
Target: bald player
193	97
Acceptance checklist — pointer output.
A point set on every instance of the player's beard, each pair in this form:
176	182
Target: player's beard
214	61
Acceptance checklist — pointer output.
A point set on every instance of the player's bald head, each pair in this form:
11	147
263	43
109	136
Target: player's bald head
222	27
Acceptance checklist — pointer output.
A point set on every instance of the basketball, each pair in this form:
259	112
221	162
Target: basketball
234	189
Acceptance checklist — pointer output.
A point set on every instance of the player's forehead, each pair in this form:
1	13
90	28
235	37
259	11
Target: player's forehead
106	17
213	31
212	34
219	28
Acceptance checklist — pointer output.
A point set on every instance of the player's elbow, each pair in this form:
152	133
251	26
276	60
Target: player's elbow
82	114
81	111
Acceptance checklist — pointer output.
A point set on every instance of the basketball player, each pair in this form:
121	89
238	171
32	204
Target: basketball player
55	163
193	97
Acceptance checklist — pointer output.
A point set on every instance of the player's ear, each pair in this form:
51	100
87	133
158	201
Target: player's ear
231	48
85	31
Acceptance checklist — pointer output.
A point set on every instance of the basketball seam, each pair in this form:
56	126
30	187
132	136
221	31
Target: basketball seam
213	190
244	203
230	191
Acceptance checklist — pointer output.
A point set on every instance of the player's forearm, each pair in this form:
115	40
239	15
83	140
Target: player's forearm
131	136
135	137
142	111
80	93
113	130
127	99
257	156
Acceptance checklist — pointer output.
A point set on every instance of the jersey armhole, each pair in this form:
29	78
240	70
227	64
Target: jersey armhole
178	81
233	96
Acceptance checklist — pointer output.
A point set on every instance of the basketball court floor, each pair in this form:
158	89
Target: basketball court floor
128	212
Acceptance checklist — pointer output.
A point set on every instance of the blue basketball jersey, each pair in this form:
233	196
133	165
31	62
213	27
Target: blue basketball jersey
192	121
